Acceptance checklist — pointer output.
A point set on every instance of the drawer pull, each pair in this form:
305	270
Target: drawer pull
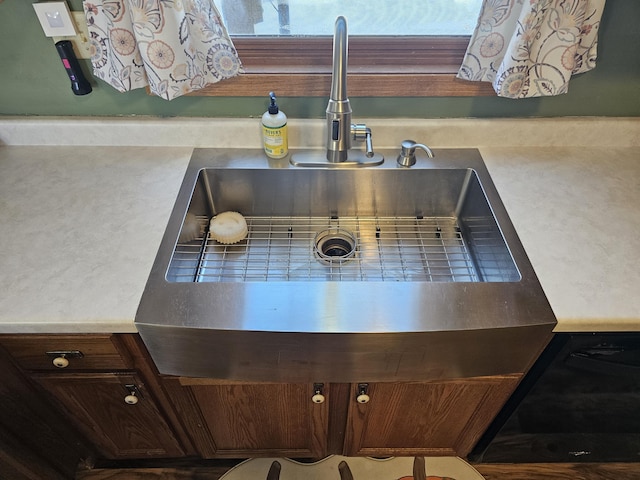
60	362
61	357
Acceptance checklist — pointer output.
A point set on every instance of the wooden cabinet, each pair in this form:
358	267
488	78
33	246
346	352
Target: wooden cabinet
237	420
166	416
423	419
400	419
95	374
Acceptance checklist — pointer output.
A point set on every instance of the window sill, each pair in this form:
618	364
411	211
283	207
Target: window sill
360	85
378	67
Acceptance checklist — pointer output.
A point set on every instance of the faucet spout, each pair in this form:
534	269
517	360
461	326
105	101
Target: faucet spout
338	108
340	60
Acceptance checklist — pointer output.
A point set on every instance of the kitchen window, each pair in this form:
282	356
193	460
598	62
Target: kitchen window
396	48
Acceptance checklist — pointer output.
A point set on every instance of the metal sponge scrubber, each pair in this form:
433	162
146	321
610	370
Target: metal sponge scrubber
228	227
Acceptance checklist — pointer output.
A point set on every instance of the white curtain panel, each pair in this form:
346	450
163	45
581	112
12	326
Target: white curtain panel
173	46
531	48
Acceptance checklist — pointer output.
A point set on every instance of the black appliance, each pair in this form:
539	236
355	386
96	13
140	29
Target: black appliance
579	403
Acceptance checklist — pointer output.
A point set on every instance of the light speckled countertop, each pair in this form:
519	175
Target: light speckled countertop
80	230
81	224
577	212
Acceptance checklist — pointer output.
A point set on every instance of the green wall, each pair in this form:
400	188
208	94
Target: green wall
33	82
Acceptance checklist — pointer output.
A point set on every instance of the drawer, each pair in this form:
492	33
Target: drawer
98	352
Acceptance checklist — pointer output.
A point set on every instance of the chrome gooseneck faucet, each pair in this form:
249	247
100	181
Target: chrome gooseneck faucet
340	130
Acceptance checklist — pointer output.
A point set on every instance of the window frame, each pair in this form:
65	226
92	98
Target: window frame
378	67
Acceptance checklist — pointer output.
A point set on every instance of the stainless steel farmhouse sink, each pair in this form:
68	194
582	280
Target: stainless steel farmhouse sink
372	274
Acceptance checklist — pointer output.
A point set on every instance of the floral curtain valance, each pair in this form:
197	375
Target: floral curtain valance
531	48
172	46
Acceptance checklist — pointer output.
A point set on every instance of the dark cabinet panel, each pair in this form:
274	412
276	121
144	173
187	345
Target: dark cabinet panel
579	403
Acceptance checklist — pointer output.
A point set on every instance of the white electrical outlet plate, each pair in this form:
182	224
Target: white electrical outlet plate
81	44
55	19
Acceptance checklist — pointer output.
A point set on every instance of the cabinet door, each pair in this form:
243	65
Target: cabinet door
35	443
421	419
96	404
252	420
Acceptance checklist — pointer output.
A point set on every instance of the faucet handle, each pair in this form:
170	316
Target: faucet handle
361	132
407	156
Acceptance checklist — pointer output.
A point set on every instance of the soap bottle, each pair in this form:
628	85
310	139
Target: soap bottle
274	130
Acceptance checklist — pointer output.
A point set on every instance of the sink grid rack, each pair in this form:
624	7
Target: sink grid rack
398	249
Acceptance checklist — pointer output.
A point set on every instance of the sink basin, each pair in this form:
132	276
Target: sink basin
346	275
374	225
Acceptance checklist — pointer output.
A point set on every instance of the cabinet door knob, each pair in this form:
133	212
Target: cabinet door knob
362	393
132	398
318	397
60	362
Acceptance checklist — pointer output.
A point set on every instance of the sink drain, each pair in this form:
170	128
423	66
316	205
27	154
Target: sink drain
334	245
